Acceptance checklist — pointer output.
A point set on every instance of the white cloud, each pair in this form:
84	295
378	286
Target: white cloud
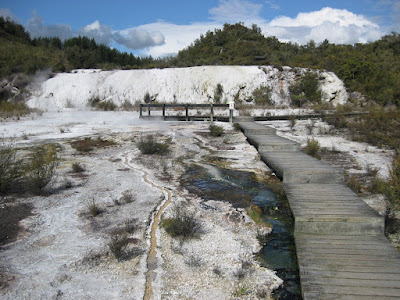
337	25
36	28
136	38
233	11
177	37
315	18
100	33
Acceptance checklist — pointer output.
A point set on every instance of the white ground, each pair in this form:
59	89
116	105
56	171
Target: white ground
63	251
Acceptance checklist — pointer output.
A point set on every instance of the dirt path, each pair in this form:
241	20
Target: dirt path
152	254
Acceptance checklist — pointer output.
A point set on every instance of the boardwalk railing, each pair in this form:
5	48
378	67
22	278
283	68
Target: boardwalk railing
227	113
187	107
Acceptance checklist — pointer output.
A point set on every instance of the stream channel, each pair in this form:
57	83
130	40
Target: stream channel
242	189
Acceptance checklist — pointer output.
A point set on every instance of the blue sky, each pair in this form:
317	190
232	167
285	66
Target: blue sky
160	27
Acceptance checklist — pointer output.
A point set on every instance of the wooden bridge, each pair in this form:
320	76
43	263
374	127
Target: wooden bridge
340	243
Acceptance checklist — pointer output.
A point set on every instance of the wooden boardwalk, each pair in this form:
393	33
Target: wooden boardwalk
341	249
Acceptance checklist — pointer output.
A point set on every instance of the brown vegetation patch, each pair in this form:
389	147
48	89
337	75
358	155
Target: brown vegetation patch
11	214
89	144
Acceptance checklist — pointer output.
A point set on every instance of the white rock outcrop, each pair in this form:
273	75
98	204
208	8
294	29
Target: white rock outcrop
180	85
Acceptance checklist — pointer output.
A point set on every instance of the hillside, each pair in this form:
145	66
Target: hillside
372	69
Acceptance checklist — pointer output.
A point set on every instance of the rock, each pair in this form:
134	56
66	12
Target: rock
20	81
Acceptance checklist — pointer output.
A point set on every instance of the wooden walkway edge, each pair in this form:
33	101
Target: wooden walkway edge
340	243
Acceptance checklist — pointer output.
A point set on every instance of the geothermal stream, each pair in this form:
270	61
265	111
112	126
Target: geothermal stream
152	254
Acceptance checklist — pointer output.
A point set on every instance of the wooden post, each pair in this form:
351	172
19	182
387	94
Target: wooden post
212	113
163	111
231	108
148	109
187	112
140	110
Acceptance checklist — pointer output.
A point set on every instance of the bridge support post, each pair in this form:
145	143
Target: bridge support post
140	110
231	108
187	112
148	109
212	113
163	111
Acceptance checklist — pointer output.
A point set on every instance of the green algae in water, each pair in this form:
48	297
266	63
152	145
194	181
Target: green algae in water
242	189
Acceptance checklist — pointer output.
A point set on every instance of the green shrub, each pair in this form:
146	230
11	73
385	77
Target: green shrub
127	197
77	168
236	126
182	224
41	167
392	187
219	90
262	95
216	130
131	226
107	105
148	145
93	208
354	184
11	168
118	245
9	110
313	148
380	127
306	89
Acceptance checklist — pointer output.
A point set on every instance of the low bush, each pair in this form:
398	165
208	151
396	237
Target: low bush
31	173
127	197
131	226
236	126
77	168
306	89
354	184
193	261
88	144
313	148
391	187
93	208
11	172
9	110
216	130
262	95
380	127
107	105
118	246
182	224
149	145
41	167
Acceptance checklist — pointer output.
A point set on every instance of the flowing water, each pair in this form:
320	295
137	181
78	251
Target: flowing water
243	189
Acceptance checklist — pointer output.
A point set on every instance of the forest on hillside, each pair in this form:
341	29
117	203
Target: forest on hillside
373	69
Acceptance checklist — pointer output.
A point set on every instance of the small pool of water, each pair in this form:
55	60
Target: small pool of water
243	189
